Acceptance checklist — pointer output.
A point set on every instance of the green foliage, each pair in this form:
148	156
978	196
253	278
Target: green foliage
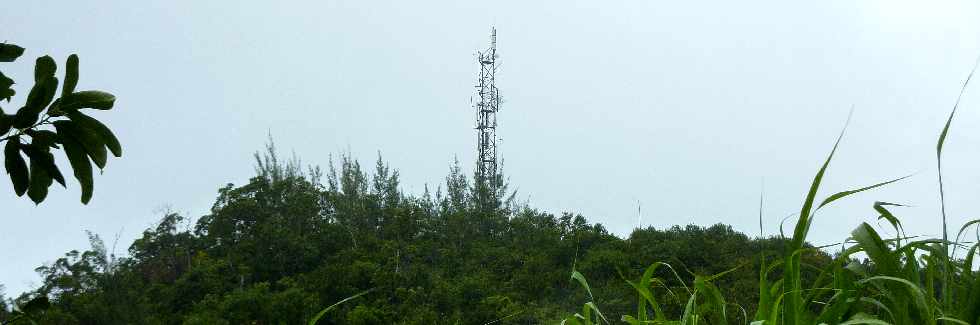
283	246
28	131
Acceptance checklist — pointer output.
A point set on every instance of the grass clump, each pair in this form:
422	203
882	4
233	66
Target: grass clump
871	280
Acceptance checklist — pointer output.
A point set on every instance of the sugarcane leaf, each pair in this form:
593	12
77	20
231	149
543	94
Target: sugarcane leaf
840	195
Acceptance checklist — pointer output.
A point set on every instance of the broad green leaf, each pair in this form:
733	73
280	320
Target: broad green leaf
857	268
79	160
88	99
6	121
93	144
44	68
5	91
40	155
16	166
41	94
43	138
40	180
100	130
71	75
5	82
10	52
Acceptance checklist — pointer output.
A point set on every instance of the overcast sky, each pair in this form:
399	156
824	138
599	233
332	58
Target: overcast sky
684	106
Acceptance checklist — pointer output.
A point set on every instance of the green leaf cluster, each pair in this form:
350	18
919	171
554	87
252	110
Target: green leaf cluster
50	122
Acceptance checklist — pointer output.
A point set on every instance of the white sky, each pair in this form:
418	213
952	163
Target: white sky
683	106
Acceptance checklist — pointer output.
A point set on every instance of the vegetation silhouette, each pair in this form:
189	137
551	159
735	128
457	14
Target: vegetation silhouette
46	122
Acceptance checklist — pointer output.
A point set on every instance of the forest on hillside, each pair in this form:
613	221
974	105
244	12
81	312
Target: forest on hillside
285	245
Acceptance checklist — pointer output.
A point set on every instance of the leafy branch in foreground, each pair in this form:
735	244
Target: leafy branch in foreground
46	122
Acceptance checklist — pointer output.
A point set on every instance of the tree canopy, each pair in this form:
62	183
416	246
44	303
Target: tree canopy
284	245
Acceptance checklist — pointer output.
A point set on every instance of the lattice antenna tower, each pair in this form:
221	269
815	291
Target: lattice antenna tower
487	106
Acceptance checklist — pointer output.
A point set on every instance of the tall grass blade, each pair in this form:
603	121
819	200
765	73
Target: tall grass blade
585	284
919	304
794	308
590	306
868	321
947	295
953	320
959	234
319	315
765	300
690	310
883	213
843	194
646	297
799	234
